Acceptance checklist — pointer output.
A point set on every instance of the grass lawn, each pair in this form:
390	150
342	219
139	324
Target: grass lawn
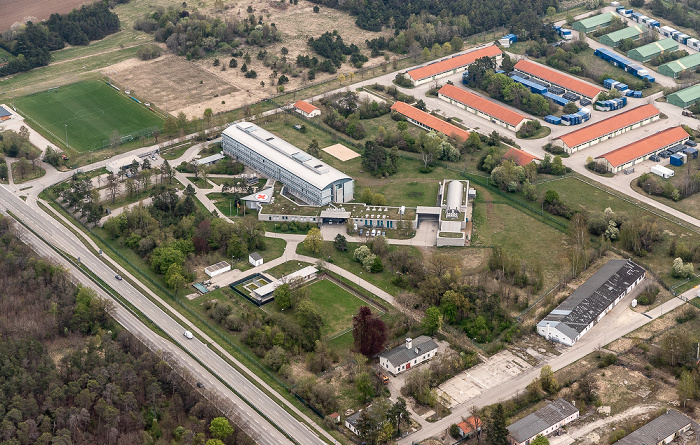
32	173
542	132
200	183
286	268
89	111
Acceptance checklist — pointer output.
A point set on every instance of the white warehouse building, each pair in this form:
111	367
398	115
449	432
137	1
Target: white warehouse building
576	315
303	176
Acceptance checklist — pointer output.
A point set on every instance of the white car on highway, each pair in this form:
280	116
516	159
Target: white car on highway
188	335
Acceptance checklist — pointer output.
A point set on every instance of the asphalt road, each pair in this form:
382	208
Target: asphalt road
264	432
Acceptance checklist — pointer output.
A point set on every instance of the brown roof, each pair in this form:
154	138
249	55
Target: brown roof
645	146
430	121
520	157
471	424
609	125
479	103
453	62
305	106
558	78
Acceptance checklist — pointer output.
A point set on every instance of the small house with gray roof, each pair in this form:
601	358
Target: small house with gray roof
659	431
544	421
403	357
569	321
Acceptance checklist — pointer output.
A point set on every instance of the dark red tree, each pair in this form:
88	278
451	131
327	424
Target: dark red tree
369	332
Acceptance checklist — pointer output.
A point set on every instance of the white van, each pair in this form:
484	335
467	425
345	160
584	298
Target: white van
188	335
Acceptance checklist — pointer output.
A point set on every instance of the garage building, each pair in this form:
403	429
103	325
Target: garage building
576	315
685	97
639	151
590	24
544	421
614	38
676	67
483	108
452	65
429	122
607	128
653	49
557	78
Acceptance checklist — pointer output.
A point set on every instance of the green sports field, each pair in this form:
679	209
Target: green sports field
90	111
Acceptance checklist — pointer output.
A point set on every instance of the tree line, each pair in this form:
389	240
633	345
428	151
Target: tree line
31	45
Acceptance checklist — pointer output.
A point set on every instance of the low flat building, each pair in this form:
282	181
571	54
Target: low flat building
659	431
520	157
306	109
544	421
452	65
115	166
554	77
576	315
607	128
304	176
590	24
654	49
484	108
256	200
641	150
685	97
210	160
429	122
217	269
412	353
301	276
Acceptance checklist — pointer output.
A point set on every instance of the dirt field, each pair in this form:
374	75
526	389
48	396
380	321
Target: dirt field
172	82
17	11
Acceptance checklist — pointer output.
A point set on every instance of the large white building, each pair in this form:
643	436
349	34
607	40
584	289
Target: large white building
303	176
576	315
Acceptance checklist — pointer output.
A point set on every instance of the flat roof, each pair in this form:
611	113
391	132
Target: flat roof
285	155
653	48
270	287
596	20
218	266
209	159
264	196
4	112
558	78
305	106
645	146
453	62
682	64
624	33
484	105
690	94
520	157
609	125
430	121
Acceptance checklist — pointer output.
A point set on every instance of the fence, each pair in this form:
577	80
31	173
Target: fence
147	132
194	315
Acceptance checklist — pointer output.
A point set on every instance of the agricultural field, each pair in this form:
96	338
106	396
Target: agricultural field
89	112
14	11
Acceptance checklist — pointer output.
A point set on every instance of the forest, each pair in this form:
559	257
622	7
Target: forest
71	375
32	44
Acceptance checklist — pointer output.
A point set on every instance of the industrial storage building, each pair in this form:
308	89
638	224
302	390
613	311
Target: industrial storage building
452	65
676	67
607	128
685	97
664	429
654	49
428	121
303	176
590	24
557	78
544	421
639	151
484	108
569	321
614	38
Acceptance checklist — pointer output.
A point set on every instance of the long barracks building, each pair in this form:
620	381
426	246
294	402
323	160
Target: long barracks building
303	176
557	78
452	65
483	108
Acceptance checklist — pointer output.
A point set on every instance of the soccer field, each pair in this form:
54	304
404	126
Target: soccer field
89	111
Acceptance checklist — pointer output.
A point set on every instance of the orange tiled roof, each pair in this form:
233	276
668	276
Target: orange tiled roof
429	120
484	105
520	157
645	146
606	126
454	62
305	106
471	424
559	78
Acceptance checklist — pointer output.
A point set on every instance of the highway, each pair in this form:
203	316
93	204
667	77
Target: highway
260	428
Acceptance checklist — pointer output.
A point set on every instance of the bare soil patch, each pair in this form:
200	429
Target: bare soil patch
341	152
171	82
18	11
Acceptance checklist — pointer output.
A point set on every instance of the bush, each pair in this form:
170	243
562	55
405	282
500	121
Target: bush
251	74
454	431
402	81
148	52
616	435
607	360
529	129
648	296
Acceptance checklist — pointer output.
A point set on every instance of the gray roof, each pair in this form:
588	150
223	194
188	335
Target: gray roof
658	429
593	297
210	159
541	419
352	420
4	112
400	354
285	155
256	256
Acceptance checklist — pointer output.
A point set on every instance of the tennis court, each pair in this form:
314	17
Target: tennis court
86	113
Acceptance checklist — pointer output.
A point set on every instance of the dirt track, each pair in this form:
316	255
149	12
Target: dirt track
14	10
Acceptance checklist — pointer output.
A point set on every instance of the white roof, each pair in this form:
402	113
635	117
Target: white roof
264	196
210	159
123	162
299	163
270	287
662	169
